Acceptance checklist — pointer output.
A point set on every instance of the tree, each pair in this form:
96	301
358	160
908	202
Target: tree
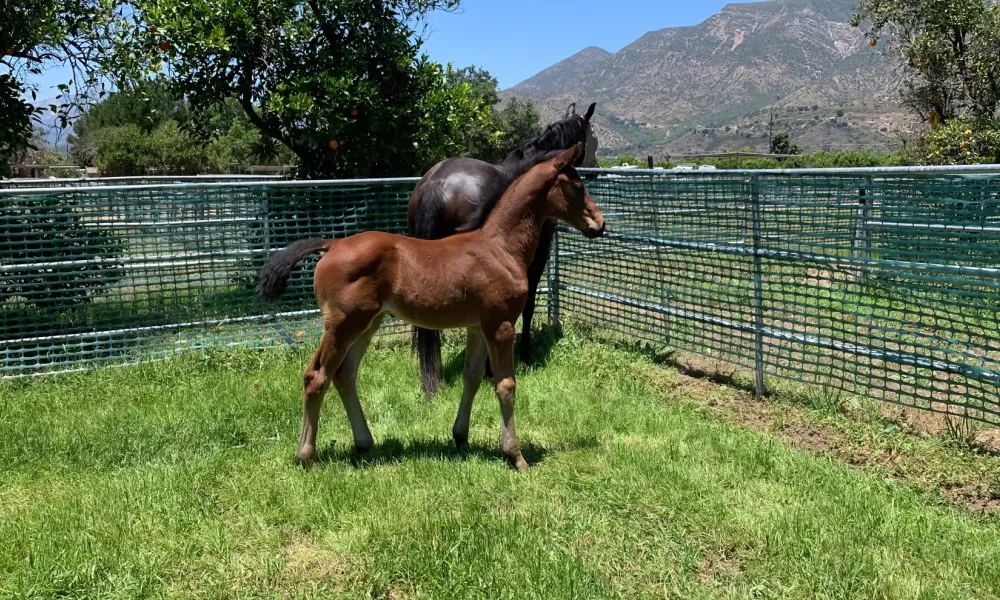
145	106
339	82
35	34
782	143
949	49
505	128
517	122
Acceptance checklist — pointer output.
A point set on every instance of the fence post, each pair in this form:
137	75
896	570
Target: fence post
862	239
758	290
553	302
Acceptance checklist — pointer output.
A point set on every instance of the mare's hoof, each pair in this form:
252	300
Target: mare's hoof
462	445
519	464
363	449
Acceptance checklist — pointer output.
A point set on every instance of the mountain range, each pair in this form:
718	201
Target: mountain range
716	86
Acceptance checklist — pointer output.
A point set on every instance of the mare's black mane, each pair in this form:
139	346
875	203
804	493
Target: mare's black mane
557	138
560	135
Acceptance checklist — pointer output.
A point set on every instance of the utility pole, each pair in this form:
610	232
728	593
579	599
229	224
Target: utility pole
770	131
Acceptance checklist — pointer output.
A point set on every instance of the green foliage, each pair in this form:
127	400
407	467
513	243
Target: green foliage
505	130
128	150
950	49
339	82
493	132
963	140
138	128
440	138
781	143
50	33
15	122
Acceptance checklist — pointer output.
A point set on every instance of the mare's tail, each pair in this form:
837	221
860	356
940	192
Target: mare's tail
429	225
274	275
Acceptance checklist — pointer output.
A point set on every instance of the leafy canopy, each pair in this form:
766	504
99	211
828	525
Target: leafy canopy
341	83
40	34
949	48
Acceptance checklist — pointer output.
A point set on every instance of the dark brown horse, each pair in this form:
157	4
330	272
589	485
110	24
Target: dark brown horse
476	280
456	195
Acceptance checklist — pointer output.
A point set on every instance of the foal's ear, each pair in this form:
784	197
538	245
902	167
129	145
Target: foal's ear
570	110
590	112
567	158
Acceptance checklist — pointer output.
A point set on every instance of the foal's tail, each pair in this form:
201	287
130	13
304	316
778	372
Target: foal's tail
274	275
429	225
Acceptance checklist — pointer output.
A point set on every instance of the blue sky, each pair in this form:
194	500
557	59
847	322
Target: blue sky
514	39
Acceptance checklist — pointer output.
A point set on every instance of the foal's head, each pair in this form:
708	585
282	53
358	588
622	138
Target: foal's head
568	199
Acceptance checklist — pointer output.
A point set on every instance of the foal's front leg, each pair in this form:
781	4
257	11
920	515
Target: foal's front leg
475	365
501	349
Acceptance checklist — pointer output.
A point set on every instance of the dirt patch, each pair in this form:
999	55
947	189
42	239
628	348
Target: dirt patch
717	567
308	564
906	445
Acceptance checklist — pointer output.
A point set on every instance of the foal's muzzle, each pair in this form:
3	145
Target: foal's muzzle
595	232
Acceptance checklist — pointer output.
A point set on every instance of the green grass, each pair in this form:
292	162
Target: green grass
177	479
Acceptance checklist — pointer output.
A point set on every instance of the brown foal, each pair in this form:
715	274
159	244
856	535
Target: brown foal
476	280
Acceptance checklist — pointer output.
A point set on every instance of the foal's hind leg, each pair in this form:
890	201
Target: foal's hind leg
475	365
346	380
500	342
316	381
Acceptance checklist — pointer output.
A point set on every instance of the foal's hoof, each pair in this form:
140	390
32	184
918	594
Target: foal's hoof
363	449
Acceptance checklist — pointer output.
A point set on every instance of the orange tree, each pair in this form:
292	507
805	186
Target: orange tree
341	83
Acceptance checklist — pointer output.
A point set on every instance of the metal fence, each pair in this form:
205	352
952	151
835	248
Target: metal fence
121	274
59	182
885	283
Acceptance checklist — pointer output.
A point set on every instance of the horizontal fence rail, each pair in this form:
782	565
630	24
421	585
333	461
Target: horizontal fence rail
60	182
879	282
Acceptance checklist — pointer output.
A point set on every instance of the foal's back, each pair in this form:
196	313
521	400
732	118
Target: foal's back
434	284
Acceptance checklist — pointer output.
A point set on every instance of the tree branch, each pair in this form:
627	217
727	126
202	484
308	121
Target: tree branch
246	101
329	32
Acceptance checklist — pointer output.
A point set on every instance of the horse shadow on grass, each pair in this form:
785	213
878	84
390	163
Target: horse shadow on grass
543	340
394	450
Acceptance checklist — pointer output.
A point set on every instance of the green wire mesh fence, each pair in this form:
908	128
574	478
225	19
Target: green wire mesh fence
882	285
885	284
122	274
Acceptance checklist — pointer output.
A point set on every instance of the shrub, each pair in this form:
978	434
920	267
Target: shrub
963	141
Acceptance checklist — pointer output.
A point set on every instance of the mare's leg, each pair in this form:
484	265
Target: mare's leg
535	270
500	343
475	365
346	380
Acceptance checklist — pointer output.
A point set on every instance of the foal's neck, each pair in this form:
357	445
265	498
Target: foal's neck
516	222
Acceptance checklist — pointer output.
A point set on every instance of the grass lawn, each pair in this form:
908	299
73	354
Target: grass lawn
177	479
